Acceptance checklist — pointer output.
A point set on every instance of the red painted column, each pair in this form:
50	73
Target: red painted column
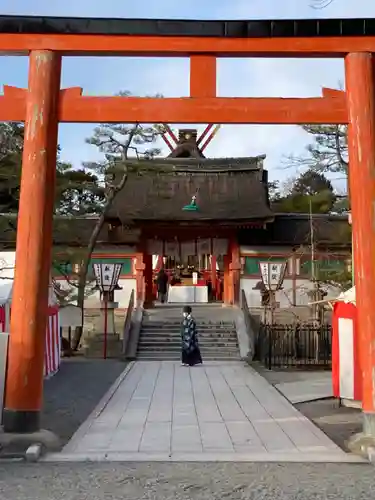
149	296
202	75
360	89
235	269
24	383
226	287
214	275
139	277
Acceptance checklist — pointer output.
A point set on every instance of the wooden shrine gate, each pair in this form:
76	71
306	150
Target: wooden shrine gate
43	105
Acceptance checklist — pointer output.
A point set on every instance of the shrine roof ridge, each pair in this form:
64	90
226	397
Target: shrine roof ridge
257	28
197	165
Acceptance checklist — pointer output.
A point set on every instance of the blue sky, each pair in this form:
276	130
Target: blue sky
251	77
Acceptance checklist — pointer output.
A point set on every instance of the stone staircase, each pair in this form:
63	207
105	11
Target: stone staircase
160	334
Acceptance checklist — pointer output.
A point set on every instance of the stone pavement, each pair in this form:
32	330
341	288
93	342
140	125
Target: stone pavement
315	386
161	411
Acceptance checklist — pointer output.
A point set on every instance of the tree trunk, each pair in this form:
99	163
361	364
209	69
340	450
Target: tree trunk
82	278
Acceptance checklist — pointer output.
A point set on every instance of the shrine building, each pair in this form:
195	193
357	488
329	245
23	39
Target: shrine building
209	223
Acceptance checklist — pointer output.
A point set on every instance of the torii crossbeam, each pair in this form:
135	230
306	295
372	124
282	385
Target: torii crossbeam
44	104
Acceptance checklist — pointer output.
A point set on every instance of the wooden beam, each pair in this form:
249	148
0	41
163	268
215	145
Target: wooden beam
332	93
166	140
202	76
171	133
222	110
184	46
211	136
204	133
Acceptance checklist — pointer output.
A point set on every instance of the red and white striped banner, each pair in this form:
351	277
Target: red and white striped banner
346	372
2	318
52	352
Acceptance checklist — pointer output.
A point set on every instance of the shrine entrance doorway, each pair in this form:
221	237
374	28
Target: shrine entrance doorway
200	270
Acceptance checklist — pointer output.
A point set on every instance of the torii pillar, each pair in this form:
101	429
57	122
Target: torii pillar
24	383
360	91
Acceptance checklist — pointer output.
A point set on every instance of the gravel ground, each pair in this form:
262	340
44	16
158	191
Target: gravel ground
72	394
186	481
339	423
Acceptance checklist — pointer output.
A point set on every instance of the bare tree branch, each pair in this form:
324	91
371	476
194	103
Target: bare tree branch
320	4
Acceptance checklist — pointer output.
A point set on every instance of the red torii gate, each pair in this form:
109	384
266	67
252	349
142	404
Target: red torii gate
43	105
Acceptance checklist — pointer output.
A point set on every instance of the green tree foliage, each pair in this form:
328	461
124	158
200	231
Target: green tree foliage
78	192
311	191
327	152
11	145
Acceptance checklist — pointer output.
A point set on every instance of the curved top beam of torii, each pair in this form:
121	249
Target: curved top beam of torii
183	38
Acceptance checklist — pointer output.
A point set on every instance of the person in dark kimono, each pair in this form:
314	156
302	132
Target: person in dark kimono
190	352
162	285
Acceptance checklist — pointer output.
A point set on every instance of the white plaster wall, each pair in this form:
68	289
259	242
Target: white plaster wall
121	296
7	264
285	296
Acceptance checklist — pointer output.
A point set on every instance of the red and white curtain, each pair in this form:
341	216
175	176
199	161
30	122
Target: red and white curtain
3	318
52	352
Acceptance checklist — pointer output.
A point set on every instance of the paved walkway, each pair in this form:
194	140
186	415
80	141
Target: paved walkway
216	412
315	386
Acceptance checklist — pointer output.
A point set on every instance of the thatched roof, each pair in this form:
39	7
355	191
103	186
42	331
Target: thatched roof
226	190
74	231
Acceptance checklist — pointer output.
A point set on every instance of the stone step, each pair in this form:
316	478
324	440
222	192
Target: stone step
206	348
97	351
176	341
112	337
163	333
151	356
169	339
176	347
207	324
178	329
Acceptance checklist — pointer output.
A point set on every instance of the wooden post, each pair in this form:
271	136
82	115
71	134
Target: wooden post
139	277
202	76
360	88
294	278
235	270
214	276
148	275
24	383
226	277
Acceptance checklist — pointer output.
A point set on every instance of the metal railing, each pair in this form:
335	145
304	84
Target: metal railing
299	346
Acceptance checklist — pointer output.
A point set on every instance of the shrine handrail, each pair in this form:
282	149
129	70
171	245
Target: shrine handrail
128	322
